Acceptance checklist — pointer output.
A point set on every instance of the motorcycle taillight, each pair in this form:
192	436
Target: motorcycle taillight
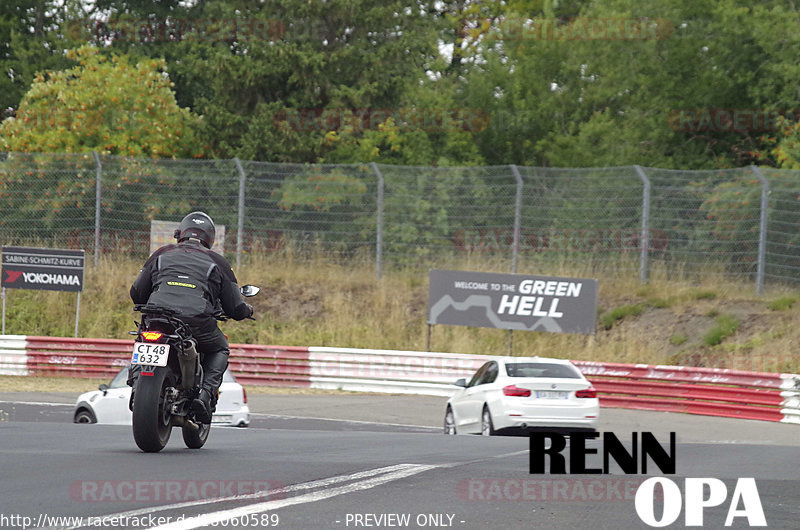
151	336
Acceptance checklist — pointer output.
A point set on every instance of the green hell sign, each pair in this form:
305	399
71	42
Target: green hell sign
512	301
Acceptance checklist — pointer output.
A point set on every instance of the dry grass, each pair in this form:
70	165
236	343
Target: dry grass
317	303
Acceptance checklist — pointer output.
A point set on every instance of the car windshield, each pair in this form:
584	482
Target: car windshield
120	380
563	371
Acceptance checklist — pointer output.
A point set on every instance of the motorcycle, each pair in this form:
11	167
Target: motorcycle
170	373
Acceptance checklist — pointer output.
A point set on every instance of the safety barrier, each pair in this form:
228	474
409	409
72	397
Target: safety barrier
402	372
706	391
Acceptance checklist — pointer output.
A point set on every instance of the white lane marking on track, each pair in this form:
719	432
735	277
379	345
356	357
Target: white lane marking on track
226	515
321	483
39	403
515	453
456	464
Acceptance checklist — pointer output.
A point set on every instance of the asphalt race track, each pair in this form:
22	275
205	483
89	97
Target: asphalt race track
360	461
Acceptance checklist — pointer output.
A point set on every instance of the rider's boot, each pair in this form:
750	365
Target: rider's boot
205	404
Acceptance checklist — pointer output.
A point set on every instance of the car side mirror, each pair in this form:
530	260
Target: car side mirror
104	388
250	290
461	382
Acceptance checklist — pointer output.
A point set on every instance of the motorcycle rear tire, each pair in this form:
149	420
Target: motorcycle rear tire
196	438
152	421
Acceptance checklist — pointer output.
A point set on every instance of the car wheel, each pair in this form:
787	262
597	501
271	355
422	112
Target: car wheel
449	422
487	428
84	416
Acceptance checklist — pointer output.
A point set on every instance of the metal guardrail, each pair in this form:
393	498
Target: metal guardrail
706	391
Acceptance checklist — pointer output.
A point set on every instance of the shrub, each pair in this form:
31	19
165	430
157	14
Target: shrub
612	317
658	303
705	295
726	325
678	339
781	304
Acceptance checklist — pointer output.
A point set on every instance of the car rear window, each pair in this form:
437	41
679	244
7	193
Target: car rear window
542	370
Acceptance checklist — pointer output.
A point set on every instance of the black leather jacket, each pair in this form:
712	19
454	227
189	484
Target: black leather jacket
191	279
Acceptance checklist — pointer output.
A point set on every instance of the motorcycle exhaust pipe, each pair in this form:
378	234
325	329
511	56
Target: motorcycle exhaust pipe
192	425
188	362
189	350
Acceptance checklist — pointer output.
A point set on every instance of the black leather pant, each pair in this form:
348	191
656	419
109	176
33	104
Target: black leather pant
213	348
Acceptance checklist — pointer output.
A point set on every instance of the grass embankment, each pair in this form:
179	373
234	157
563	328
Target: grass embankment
321	304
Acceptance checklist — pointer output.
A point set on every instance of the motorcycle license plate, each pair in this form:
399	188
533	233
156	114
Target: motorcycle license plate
150	354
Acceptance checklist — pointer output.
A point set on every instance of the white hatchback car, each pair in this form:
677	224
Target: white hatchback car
109	404
518	393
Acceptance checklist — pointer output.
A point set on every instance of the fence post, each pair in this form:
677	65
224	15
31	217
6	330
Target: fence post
240	221
379	223
762	231
517	218
97	195
644	239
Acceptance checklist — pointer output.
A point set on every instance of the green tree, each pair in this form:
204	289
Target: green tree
563	97
30	41
787	149
554	94
280	57
106	104
428	127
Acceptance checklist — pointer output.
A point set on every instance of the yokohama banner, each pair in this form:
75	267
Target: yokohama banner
42	268
512	301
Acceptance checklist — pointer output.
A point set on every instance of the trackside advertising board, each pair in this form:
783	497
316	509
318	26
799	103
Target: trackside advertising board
42	268
512	301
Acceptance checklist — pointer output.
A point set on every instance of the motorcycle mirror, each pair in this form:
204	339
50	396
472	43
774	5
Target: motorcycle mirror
250	290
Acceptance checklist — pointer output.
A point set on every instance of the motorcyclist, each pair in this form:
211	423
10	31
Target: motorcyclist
195	281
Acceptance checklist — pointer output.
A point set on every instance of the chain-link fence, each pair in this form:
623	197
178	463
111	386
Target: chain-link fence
742	223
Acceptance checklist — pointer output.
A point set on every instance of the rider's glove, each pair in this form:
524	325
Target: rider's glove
250	310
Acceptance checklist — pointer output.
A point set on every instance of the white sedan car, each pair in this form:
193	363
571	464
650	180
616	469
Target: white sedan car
518	393
109	404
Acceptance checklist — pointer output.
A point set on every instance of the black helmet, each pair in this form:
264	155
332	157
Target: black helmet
198	225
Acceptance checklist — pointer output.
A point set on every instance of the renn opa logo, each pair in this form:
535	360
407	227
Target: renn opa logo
744	503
